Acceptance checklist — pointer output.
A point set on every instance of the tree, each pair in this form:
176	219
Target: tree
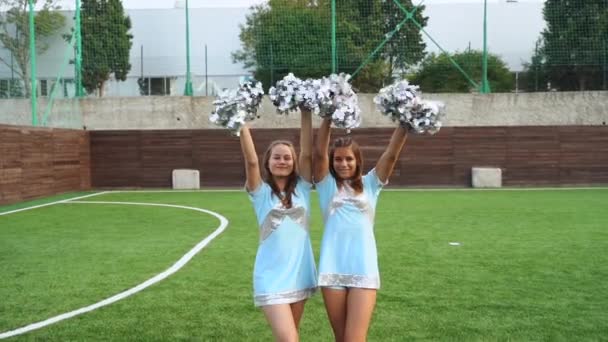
15	33
285	36
575	43
438	75
406	48
106	43
535	74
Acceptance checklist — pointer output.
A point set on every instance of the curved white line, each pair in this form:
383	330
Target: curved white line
179	264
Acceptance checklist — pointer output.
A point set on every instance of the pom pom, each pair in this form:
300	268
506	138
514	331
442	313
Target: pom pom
402	103
234	107
337	100
397	99
287	94
425	117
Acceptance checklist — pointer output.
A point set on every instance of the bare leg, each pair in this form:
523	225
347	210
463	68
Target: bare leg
297	309
281	322
335	304
360	306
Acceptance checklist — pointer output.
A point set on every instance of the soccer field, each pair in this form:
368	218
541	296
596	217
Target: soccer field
465	265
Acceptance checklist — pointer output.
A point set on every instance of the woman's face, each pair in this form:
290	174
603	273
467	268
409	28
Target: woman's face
281	161
344	162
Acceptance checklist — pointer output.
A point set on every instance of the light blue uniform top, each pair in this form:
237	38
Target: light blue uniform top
348	248
284	270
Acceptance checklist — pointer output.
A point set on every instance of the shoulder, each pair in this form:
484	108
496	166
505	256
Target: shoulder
371	179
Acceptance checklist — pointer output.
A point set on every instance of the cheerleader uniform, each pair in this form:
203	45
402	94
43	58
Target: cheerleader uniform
284	270
348	249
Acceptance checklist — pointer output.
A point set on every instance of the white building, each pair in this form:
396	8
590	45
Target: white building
159	49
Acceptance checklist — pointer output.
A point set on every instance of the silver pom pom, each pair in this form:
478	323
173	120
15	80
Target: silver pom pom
402	103
425	117
233	107
397	99
288	94
337	100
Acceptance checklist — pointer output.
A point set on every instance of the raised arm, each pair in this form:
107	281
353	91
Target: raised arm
305	160
321	153
252	166
386	163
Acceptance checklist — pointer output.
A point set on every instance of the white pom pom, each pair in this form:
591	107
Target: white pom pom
401	102
337	100
287	95
233	107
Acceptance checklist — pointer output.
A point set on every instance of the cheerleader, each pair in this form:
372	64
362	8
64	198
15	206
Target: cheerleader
348	266
284	274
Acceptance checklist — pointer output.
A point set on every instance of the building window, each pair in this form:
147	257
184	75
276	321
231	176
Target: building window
44	89
157	86
11	88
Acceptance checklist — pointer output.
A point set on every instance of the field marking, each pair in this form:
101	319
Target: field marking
176	266
52	203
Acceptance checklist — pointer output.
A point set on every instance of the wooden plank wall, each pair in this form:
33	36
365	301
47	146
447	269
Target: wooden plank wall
528	156
38	162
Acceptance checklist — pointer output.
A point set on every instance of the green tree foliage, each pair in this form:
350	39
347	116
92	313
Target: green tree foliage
535	75
106	43
438	75
407	47
285	36
15	33
575	44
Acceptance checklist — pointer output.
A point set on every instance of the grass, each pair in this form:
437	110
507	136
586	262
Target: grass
532	265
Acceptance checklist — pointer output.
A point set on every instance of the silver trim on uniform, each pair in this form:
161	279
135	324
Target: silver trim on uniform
347	195
349	280
276	216
284	297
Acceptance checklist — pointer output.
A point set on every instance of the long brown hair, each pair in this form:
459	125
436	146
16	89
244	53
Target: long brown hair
292	179
356	182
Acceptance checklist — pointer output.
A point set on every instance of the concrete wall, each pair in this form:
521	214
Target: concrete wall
64	113
504	109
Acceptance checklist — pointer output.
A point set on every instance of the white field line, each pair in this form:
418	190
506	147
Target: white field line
52	203
179	264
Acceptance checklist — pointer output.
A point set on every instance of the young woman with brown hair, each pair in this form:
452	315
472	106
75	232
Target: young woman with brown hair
348	266
284	274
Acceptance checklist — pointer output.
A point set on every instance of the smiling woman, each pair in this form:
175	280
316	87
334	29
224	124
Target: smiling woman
348	267
284	274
